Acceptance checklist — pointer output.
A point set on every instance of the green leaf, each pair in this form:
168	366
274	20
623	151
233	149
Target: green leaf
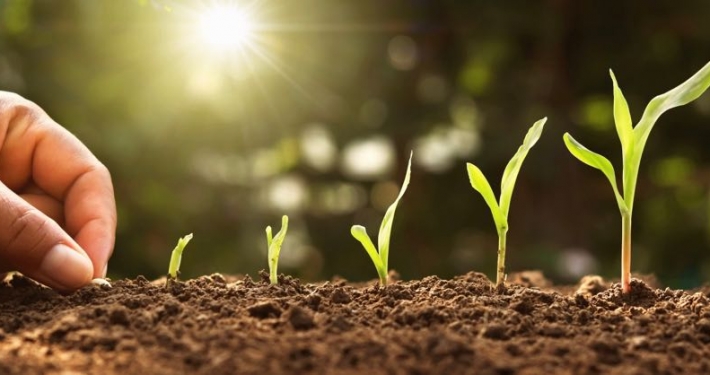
275	248
383	239
510	174
597	161
278	239
176	256
480	183
681	95
360	233
622	116
269	236
625	131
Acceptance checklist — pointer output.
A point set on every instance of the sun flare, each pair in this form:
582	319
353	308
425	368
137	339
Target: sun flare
226	27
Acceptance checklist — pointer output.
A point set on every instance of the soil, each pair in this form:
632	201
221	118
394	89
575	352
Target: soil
222	325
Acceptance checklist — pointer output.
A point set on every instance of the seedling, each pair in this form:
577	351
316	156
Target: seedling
176	258
500	209
380	257
633	140
274	244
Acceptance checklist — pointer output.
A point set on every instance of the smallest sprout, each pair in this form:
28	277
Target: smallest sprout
176	258
274	244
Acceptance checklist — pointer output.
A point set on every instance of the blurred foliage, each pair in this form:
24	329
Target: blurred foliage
317	120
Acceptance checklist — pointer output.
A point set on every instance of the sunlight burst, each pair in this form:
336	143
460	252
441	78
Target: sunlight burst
226	27
239	40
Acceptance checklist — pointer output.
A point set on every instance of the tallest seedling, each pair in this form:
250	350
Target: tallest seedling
633	140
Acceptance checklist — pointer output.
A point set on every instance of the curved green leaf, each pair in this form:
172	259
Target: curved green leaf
681	95
597	161
278	239
383	239
480	184
360	233
622	116
176	256
510	174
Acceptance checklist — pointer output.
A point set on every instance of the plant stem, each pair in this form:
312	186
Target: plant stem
273	272
626	252
383	276
500	275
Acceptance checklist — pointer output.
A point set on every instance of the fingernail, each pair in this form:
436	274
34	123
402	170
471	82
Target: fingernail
67	267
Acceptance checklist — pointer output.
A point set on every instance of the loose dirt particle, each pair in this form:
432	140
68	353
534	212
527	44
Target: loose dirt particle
264	310
340	296
495	332
591	285
524	307
300	318
119	316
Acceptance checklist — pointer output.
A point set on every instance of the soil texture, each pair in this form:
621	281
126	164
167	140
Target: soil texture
225	325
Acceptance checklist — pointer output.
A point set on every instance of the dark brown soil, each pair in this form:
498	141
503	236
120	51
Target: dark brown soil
214	325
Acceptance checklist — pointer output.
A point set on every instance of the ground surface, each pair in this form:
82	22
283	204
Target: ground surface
214	325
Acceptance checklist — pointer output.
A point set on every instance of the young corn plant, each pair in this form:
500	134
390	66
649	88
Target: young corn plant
633	140
380	257
176	258
500	208
274	243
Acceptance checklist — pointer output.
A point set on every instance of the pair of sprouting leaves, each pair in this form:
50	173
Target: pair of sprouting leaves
633	139
380	258
500	208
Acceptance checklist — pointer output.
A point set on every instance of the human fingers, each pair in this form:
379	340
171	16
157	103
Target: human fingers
34	244
47	205
38	149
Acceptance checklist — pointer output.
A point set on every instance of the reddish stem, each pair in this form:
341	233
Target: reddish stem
626	253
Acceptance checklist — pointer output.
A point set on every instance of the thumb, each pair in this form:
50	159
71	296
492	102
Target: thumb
34	244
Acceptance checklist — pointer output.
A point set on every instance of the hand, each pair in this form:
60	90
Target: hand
57	209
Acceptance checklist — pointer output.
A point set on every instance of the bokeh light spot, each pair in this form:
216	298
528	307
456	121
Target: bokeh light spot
402	52
596	112
440	149
574	263
287	194
672	171
369	158
339	198
318	148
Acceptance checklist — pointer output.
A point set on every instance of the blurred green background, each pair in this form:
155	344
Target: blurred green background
313	113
